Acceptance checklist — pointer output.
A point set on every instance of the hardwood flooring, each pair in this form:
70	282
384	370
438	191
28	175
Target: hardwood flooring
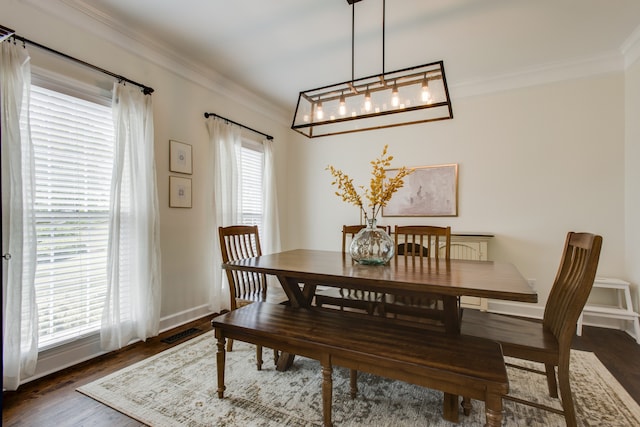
53	401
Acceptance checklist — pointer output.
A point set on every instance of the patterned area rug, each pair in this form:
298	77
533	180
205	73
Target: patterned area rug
178	388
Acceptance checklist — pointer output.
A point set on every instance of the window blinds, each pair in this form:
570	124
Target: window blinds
73	150
252	158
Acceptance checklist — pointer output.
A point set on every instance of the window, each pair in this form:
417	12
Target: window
73	149
251	200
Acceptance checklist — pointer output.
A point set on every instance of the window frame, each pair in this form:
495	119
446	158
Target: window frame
89	93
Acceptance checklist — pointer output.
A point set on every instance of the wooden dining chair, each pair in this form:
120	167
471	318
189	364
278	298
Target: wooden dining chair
240	242
417	245
547	342
350	298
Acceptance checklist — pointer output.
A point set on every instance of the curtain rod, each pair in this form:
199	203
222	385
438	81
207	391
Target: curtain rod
145	89
207	115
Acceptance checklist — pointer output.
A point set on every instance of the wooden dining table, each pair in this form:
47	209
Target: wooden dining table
300	271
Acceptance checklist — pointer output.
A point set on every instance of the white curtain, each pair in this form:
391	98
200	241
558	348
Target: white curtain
19	310
271	223
224	140
132	306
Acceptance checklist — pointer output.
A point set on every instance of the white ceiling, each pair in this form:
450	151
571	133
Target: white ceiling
277	48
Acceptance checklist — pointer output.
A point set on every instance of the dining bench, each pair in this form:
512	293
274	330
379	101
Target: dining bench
455	364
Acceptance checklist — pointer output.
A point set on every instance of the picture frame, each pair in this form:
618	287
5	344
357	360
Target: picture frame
179	192
180	157
428	191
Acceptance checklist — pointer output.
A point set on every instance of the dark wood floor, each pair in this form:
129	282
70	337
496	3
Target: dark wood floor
53	401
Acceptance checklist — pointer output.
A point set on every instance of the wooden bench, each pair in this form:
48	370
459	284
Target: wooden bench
455	364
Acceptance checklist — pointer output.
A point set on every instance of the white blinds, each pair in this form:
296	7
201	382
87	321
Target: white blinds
73	144
252	158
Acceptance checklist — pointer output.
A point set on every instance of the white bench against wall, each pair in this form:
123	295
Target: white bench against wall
623	310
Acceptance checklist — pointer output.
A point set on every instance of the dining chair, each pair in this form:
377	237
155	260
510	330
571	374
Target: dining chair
418	244
547	342
240	242
350	298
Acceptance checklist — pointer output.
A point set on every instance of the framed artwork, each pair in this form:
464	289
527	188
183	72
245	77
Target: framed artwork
428	191
180	157
179	192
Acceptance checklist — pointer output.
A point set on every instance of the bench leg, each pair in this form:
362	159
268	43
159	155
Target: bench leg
467	406
220	361
327	393
353	382
493	410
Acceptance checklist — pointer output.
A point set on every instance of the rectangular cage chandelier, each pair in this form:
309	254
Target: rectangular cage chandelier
412	95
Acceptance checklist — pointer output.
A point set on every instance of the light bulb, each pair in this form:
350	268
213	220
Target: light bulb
343	107
395	100
319	112
367	101
426	94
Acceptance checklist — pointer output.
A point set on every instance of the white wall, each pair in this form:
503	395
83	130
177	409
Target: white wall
534	163
632	178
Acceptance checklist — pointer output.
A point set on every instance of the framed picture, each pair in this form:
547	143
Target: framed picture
428	191
179	192
180	157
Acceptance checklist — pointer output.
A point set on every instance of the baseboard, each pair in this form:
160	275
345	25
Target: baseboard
186	316
73	353
537	312
618	324
516	309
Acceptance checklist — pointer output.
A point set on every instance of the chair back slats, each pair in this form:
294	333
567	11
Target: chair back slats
241	242
417	242
572	284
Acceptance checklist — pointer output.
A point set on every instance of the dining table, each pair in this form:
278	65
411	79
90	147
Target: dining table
301	271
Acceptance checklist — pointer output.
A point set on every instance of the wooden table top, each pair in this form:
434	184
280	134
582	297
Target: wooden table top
486	279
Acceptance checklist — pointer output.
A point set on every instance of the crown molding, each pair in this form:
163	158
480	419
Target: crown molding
76	13
631	48
542	74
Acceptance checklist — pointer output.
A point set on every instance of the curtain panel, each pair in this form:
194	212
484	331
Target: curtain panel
225	200
19	310
224	141
132	306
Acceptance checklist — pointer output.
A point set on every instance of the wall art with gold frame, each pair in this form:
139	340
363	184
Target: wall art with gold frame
428	191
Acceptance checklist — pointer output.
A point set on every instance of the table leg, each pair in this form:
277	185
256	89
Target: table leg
297	298
284	361
450	407
451	326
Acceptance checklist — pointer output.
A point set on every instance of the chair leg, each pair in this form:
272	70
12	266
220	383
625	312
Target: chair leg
565	394
229	345
276	355
259	357
551	380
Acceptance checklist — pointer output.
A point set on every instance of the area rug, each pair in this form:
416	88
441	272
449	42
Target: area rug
178	388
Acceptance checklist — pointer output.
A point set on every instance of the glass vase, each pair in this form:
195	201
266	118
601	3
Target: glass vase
372	245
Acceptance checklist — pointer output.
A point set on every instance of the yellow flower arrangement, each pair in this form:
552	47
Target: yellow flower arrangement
380	188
